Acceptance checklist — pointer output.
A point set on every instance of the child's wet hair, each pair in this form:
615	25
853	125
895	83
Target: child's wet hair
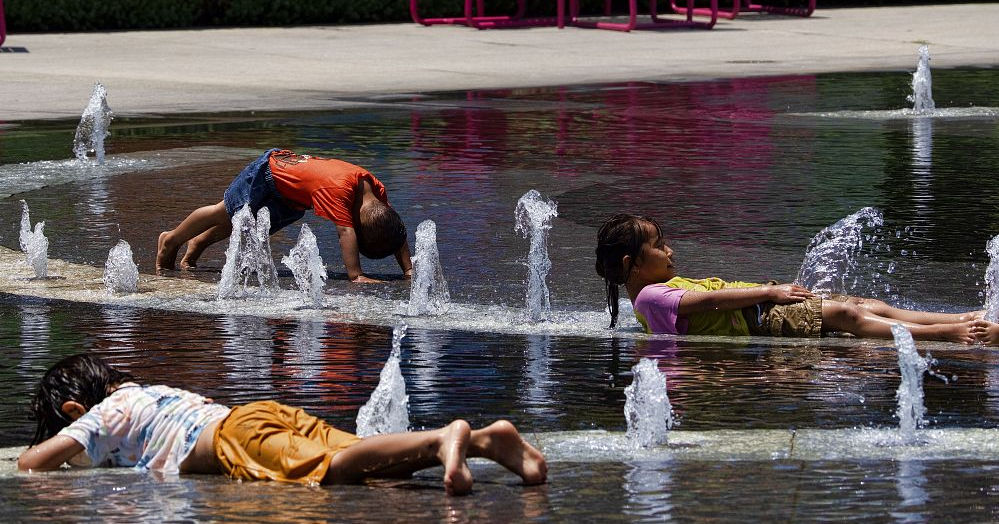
82	378
621	235
380	231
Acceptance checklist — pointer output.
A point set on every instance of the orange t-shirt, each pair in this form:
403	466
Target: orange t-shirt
325	185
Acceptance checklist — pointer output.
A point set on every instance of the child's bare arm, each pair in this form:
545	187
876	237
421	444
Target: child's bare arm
738	298
352	255
49	455
402	257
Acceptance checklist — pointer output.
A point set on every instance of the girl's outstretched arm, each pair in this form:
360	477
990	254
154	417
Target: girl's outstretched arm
49	455
738	298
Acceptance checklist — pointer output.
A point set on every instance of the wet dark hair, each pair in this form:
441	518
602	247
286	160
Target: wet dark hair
619	236
380	231
82	378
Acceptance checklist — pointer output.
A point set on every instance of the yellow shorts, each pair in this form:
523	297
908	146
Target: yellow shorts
801	319
271	441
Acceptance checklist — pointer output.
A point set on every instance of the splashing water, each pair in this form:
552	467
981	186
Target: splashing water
34	244
646	407
909	395
428	293
121	275
991	281
307	266
93	126
533	215
831	255
249	253
922	84
387	411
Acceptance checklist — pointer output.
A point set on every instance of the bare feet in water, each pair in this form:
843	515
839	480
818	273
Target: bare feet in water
165	257
451	452
986	332
501	442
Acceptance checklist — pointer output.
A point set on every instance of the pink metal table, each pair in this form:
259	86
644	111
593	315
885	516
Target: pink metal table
711	12
748	6
480	20
3	25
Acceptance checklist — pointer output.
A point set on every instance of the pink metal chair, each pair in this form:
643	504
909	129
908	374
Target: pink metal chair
749	7
711	12
480	20
3	25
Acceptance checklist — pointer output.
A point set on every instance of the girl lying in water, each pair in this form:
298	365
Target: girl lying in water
631	250
89	413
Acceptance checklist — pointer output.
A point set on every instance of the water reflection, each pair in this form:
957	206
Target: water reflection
248	352
910	483
648	486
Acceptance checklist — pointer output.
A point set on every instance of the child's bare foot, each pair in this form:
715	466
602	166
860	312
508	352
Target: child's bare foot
962	332
986	332
972	315
166	256
501	442
453	447
187	264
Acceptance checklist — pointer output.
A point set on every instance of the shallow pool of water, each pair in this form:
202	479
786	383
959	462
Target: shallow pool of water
741	173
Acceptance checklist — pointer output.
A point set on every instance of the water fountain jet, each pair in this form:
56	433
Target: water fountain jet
307	267
646	407
832	253
909	394
34	244
387	411
922	84
428	293
992	281
121	275
533	215
93	126
249	253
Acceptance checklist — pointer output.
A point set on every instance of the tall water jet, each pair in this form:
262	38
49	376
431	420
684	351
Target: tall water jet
249	253
909	395
922	84
121	275
307	267
428	293
832	253
93	126
34	244
533	215
387	411
646	407
991	281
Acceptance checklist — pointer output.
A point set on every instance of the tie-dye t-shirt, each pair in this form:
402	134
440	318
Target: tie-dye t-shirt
148	427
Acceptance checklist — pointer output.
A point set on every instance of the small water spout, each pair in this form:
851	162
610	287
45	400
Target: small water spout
249	253
646	407
387	411
121	275
991	281
909	395
34	244
533	215
93	126
922	84
307	267
428	293
832	253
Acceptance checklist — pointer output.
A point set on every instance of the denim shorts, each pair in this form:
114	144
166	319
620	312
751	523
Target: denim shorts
255	186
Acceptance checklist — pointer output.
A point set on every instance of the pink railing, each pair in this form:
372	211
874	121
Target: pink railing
3	25
689	12
479	19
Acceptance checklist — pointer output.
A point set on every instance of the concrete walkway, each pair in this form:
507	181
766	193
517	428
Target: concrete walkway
326	66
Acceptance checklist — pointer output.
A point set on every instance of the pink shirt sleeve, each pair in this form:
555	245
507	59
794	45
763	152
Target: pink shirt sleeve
657	308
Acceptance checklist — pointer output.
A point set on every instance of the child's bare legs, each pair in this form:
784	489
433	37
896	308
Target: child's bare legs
852	318
882	309
198	244
200	220
401	454
501	443
986	332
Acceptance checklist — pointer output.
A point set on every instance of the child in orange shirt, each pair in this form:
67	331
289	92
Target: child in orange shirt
287	184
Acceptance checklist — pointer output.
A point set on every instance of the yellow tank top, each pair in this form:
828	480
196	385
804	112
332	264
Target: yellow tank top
724	323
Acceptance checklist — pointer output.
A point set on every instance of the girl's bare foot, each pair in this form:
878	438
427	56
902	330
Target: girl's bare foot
451	452
166	256
186	264
502	443
986	332
961	332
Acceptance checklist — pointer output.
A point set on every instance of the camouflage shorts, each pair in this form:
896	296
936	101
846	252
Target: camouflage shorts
801	319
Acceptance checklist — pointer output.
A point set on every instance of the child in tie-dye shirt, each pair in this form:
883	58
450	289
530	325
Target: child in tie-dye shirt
92	414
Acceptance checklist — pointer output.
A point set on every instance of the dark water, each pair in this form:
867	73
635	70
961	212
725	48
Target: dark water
739	178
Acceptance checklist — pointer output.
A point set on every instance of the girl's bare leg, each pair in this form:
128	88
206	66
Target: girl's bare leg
401	454
199	221
986	332
844	316
882	309
200	243
502	443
